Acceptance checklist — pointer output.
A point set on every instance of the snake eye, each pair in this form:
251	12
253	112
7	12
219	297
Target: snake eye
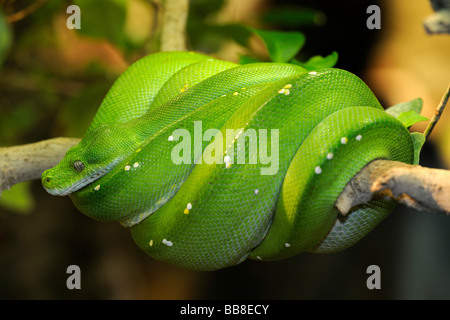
78	165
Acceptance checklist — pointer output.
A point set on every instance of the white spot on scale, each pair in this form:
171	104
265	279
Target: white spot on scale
313	73
136	164
359	137
227	159
330	156
167	243
258	257
256	191
189	206
287	245
170	138
127	168
344	140
318	170
97	187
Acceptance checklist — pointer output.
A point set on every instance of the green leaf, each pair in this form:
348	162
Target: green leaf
76	116
18	199
408	113
282	46
418	141
236	32
319	62
199	9
409	118
413	105
5	38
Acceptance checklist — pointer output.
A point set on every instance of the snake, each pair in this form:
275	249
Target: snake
209	162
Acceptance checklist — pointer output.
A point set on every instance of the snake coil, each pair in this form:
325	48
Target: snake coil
210	163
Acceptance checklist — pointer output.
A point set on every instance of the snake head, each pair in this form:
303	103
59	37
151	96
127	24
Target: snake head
97	154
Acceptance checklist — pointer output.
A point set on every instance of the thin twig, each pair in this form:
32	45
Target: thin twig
19	15
437	113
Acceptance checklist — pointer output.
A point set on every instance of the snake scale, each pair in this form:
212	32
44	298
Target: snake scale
210	163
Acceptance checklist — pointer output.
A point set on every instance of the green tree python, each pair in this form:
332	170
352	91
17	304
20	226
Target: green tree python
210	163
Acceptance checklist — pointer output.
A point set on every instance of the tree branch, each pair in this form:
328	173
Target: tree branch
437	113
417	187
424	189
173	33
27	162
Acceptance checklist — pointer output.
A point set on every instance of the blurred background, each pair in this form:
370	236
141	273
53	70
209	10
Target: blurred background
52	80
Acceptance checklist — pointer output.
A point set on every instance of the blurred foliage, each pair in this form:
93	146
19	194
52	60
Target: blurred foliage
18	199
111	26
284	46
294	17
117	24
5	37
277	27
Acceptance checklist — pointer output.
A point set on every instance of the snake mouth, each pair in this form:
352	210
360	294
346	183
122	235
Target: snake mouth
66	190
56	185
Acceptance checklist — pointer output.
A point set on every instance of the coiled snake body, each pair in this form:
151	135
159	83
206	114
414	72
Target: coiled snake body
157	159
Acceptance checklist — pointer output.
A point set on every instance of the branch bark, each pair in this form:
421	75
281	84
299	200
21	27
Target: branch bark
27	162
173	33
421	188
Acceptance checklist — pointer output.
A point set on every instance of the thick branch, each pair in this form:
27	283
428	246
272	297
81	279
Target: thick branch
417	187
173	33
27	162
